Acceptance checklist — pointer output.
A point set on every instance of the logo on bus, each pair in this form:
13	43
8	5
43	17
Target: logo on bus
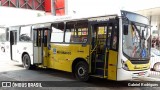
54	51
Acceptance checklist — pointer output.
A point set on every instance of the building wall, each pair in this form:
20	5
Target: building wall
49	6
60	7
28	4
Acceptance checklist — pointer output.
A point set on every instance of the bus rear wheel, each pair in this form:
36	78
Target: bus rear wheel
26	61
81	71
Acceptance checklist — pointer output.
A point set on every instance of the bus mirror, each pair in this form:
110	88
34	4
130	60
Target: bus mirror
125	29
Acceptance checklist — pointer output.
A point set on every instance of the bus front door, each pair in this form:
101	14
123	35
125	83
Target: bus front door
103	55
40	50
99	58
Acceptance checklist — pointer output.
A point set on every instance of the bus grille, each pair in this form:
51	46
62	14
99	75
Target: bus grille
139	61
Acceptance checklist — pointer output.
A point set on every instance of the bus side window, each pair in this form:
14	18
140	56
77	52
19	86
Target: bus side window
25	34
57	34
109	36
76	32
45	38
114	38
7	34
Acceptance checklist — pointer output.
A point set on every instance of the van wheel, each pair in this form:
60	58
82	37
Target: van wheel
26	61
81	71
156	66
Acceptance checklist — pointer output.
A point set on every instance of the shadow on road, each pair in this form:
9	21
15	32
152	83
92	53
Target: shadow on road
58	78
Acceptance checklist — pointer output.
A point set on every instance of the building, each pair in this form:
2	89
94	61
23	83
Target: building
55	7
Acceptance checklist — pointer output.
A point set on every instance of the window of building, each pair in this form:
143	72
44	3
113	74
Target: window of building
25	34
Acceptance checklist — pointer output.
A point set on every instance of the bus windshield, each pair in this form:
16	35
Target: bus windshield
136	44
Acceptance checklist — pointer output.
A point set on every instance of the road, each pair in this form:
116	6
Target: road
11	71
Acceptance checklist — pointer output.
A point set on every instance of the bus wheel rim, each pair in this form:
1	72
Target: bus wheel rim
81	71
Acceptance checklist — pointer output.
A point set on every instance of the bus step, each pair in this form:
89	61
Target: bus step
99	71
99	76
100	68
99	64
98	60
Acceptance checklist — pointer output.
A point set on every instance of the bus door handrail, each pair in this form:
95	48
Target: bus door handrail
93	49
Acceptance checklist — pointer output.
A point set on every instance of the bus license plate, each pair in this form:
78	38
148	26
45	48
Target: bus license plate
141	73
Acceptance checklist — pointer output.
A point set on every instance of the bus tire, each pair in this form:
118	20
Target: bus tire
81	71
26	61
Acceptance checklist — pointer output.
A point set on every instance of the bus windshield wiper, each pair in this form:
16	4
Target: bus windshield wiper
136	29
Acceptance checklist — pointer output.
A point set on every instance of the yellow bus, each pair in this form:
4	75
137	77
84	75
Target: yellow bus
115	46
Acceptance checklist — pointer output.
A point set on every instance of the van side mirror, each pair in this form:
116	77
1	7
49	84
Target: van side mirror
125	29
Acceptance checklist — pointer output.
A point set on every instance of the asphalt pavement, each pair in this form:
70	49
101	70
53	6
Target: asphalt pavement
12	72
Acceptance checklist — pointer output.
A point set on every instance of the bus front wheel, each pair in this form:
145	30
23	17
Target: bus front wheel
26	61
156	66
81	71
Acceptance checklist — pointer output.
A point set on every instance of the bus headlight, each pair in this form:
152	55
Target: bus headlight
124	65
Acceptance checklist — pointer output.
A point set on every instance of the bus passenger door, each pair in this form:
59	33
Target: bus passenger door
99	56
40	50
13	44
46	47
104	53
113	49
37	48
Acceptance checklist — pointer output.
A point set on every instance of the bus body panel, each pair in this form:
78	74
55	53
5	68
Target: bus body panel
130	75
24	47
112	65
7	49
62	55
45	56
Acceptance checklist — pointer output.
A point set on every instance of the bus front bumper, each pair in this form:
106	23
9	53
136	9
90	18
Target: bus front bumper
123	75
